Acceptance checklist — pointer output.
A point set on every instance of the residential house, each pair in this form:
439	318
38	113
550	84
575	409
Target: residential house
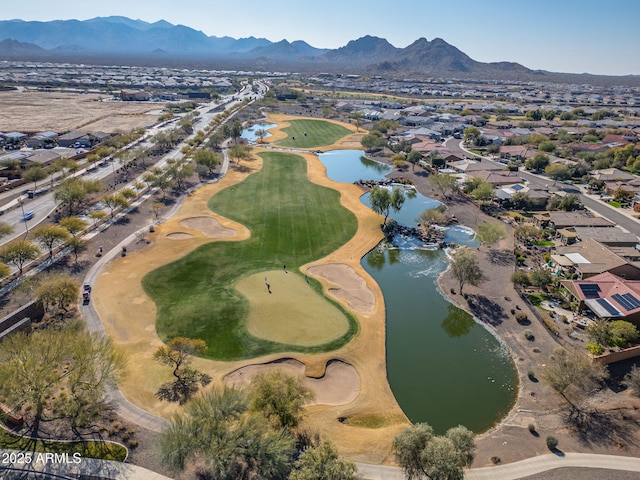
43	158
538	198
496	178
514	152
632	187
74	139
99	137
580	218
589	147
611	175
607	295
492	137
611	237
615	140
467	166
14	140
42	140
589	258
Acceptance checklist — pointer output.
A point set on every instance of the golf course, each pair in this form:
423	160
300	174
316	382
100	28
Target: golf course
264	266
311	134
292	222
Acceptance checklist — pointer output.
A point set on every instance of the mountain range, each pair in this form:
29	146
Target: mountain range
121	39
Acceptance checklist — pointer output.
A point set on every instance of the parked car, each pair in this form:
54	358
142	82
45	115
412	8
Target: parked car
86	293
27	215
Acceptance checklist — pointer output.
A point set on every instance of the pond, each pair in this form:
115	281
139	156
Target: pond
349	166
443	367
250	135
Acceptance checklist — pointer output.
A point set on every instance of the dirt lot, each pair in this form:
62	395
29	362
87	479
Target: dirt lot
30	111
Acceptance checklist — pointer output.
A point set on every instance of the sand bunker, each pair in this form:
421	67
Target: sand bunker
179	235
340	384
352	288
285	309
209	226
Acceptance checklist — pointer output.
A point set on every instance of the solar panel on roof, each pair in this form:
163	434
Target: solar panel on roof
632	299
590	290
517	187
611	310
626	303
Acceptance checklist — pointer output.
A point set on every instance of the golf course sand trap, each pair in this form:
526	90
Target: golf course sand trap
209	227
351	287
339	385
179	235
285	309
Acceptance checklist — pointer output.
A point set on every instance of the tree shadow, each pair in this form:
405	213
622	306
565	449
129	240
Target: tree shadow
486	310
603	428
80	266
501	257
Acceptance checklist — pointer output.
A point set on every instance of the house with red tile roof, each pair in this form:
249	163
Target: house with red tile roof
608	296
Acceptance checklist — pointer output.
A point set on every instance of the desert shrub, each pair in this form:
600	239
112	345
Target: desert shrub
595	349
552	442
550	325
521	317
528	334
532	428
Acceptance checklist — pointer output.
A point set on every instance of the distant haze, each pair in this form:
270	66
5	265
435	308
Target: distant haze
563	36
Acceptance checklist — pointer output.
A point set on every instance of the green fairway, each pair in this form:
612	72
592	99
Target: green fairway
319	134
292	222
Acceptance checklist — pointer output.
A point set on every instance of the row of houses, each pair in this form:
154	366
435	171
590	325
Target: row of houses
604	258
73	139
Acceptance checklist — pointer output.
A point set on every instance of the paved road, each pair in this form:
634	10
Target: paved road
523	468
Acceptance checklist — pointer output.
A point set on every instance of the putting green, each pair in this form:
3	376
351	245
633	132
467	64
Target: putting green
289	310
312	134
292	222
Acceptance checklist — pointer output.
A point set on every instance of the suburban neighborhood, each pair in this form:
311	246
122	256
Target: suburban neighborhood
297	266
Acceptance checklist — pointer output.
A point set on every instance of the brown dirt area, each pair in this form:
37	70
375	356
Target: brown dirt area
30	111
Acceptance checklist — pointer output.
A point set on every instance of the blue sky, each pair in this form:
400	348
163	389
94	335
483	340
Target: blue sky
576	36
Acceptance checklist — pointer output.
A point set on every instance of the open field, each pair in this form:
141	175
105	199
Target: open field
292	222
30	111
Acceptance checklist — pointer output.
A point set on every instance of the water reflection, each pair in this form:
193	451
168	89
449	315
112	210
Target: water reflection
457	323
349	166
372	165
250	134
